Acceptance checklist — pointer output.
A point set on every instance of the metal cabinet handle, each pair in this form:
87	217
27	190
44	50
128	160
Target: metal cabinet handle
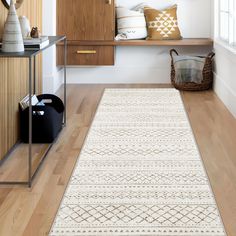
86	52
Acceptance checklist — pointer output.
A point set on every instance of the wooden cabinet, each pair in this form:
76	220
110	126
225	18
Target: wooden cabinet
86	20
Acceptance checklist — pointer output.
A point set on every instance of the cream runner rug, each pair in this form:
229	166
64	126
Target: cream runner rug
139	173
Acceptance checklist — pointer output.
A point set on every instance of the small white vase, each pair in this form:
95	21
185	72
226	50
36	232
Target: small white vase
12	36
25	26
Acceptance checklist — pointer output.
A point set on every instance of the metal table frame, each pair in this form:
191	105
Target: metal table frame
31	55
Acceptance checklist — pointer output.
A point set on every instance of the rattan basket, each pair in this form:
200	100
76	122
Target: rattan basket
190	86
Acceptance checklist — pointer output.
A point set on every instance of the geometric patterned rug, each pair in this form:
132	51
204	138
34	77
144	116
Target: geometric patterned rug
139	172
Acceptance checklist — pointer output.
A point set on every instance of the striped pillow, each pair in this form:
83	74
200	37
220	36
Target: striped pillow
130	24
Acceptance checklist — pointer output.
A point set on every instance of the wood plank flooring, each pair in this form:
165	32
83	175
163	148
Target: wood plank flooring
30	212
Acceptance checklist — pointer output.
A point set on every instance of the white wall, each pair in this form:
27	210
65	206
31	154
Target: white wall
225	69
139	64
52	78
225	82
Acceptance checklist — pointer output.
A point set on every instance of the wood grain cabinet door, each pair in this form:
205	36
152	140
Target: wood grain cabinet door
86	19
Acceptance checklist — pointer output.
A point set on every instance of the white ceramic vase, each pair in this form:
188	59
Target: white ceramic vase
12	36
25	26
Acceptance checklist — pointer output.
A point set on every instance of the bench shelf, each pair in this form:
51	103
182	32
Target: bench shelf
182	42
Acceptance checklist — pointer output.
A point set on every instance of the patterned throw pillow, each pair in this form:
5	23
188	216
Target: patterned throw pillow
162	24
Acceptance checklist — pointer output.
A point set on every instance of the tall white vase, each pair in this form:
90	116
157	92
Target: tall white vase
12	36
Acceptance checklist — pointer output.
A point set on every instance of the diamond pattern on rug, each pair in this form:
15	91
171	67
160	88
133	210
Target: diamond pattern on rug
140	214
139	172
139	177
127	194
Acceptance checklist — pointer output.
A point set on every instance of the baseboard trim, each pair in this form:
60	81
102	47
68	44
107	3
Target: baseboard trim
118	75
51	83
225	93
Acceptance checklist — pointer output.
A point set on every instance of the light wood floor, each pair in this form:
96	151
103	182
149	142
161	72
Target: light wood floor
30	212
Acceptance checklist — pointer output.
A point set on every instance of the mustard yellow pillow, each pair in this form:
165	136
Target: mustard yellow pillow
163	24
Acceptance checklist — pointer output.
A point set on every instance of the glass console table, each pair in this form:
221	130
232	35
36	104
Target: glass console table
31	56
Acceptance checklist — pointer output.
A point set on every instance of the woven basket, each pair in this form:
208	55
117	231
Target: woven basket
207	81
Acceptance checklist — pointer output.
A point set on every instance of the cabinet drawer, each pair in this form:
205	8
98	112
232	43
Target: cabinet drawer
86	55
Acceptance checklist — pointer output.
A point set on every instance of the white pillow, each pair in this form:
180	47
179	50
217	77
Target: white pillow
130	24
140	7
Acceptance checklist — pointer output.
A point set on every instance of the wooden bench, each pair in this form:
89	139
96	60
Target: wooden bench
97	52
182	42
